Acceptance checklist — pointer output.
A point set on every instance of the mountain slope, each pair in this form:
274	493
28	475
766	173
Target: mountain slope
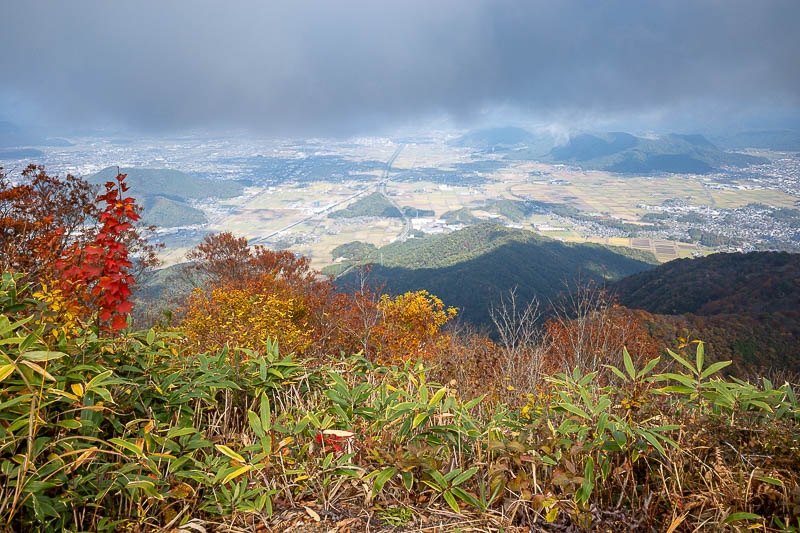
745	306
164	193
754	282
473	267
625	153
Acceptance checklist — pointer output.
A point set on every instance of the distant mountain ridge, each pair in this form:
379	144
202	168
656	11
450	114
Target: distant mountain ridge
613	151
625	153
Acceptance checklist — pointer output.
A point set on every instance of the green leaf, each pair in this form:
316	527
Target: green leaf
408	480
651	364
451	501
475	401
236	473
180	432
336	398
380	480
438	396
11	327
588	471
131	447
685	380
618	372
6	371
700	356
735	517
438	478
339	380
255	423
419	419
575	410
716	367
98	379
682	361
42	355
764	406
230	453
649	437
626	358
467	497
463	476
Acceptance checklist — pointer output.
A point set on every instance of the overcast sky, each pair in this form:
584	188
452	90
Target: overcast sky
347	66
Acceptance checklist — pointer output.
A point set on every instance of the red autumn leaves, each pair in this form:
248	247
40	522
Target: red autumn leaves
105	264
65	239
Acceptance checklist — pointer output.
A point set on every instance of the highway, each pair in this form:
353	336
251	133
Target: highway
374	186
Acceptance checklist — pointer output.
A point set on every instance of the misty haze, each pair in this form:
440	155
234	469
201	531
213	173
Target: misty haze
283	224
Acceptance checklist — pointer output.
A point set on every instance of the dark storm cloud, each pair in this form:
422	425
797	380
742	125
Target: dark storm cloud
320	66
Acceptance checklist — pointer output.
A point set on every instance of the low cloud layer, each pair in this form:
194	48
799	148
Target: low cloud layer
319	67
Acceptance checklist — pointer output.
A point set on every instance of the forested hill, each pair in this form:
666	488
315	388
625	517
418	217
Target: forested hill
625	153
165	194
746	307
755	282
471	268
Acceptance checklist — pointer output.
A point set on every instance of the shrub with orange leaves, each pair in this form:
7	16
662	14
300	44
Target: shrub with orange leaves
411	326
596	339
227	314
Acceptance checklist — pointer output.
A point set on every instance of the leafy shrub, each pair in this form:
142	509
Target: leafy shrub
137	431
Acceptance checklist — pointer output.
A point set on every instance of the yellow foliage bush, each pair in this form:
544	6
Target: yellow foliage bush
246	319
412	325
63	312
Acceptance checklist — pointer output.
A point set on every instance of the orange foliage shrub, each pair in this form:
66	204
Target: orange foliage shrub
472	364
254	293
591	341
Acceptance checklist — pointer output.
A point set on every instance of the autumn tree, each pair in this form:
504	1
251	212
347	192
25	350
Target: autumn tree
40	217
80	251
224	257
228	314
412	326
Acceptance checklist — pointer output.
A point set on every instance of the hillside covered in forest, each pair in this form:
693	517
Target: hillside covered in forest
473	267
746	306
166	194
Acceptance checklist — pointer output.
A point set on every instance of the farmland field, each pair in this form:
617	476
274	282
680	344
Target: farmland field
292	211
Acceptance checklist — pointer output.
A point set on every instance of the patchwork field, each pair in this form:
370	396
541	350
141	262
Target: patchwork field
441	178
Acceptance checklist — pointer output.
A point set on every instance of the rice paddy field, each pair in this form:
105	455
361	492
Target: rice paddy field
295	216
